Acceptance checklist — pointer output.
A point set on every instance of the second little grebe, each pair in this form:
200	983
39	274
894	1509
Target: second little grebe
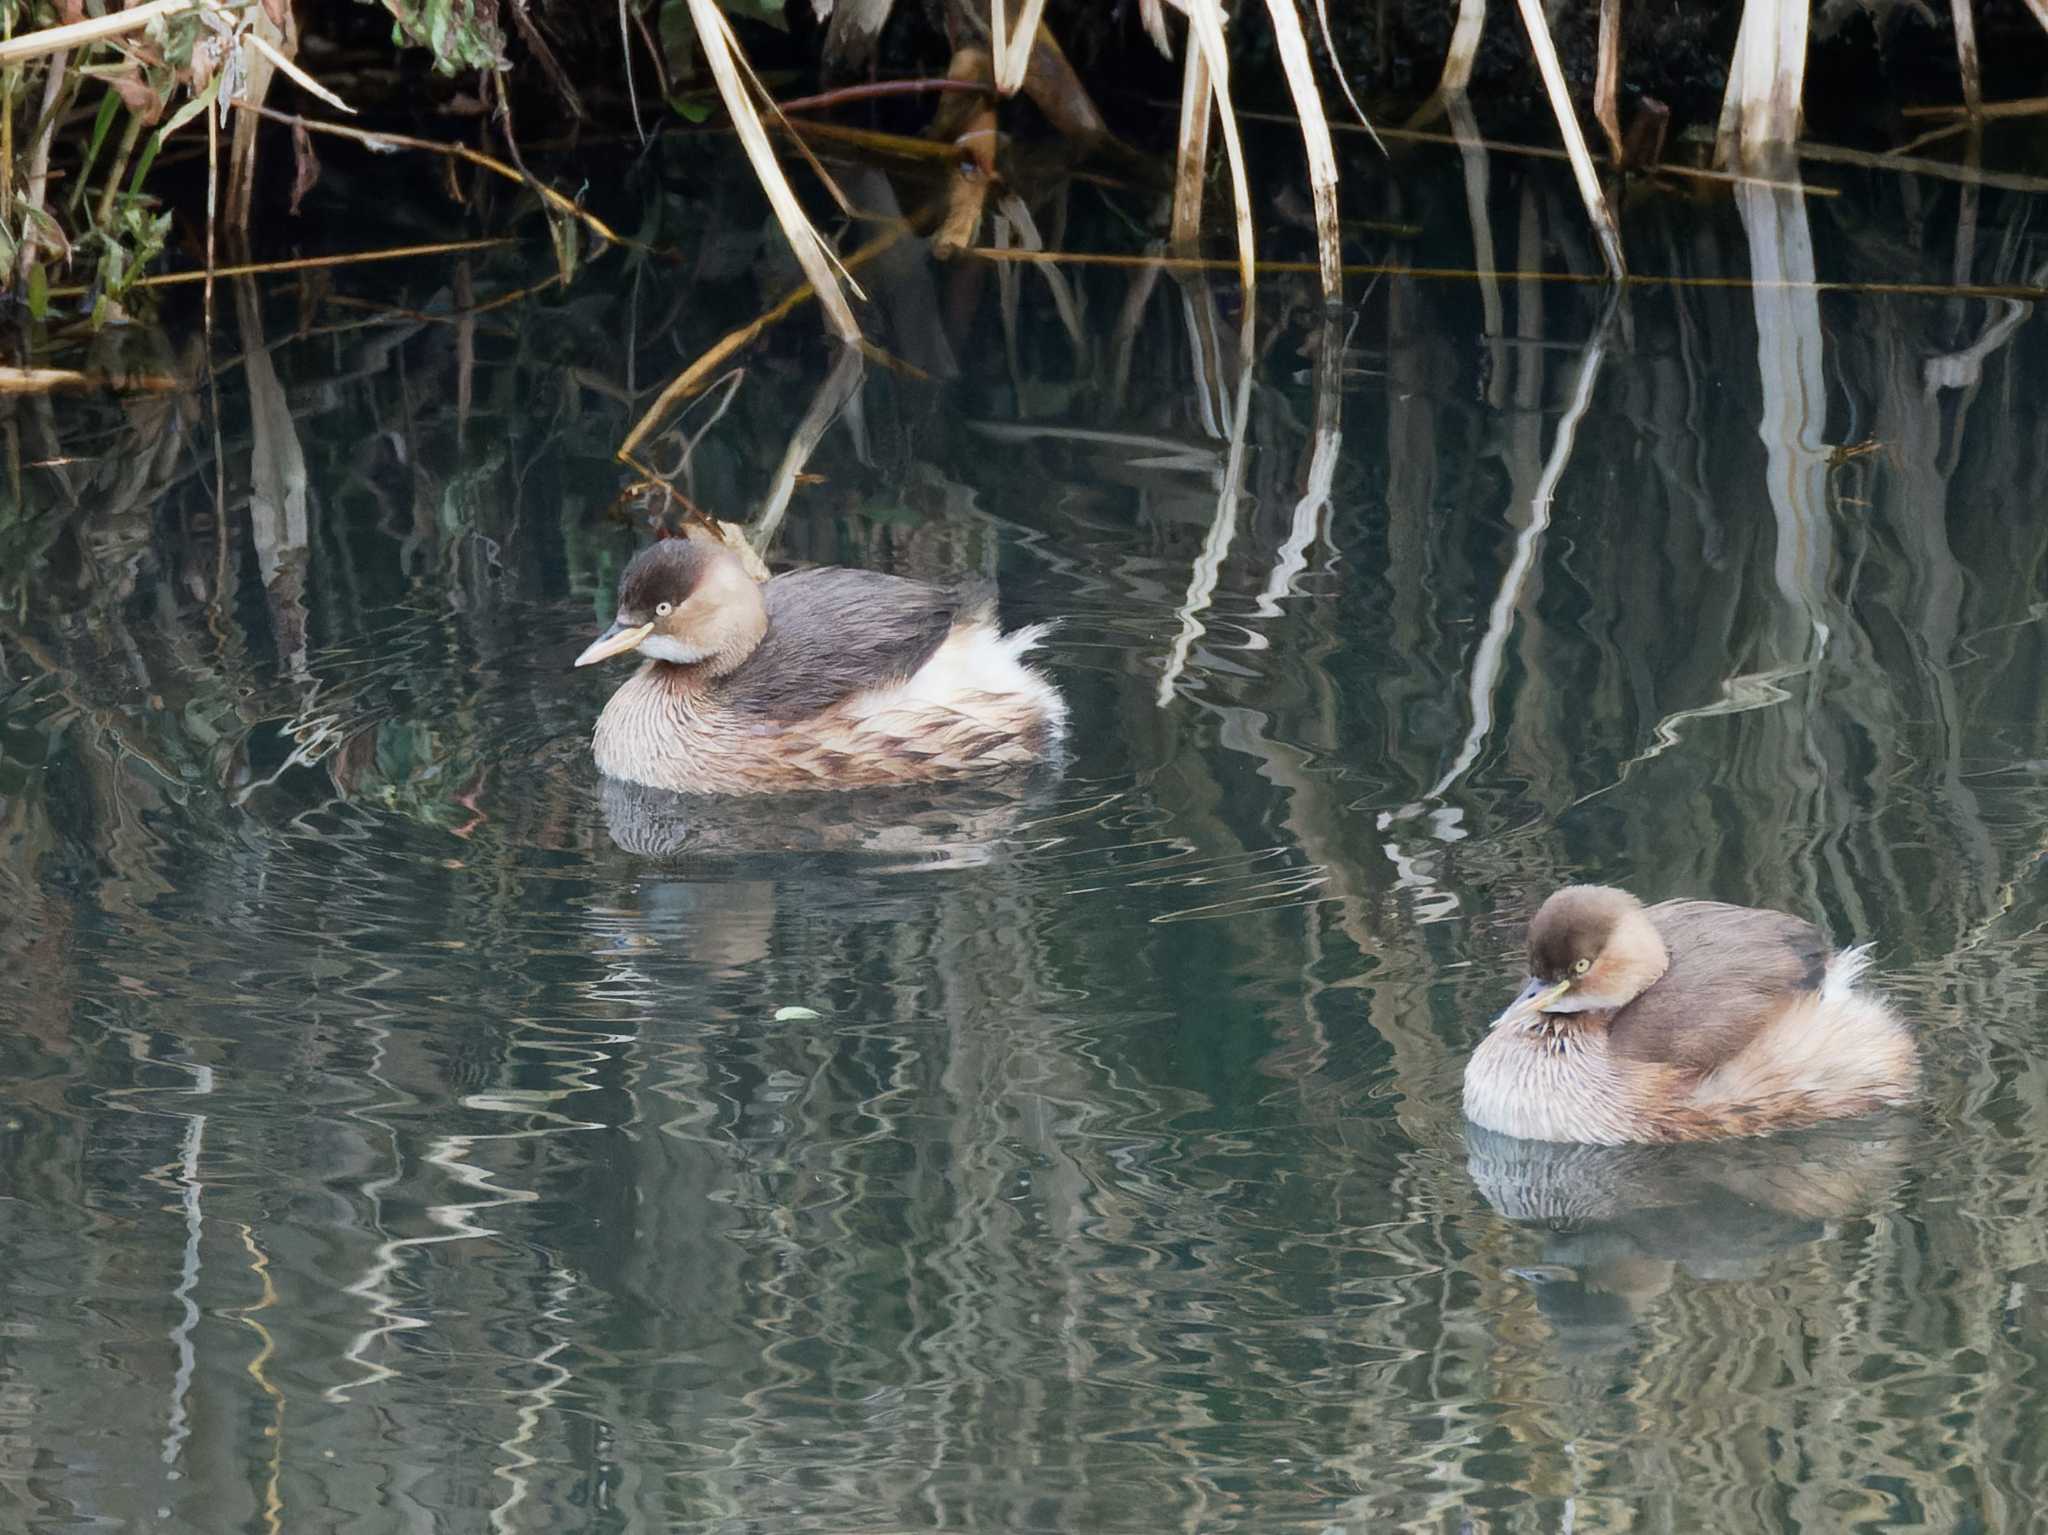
1683	1021
817	679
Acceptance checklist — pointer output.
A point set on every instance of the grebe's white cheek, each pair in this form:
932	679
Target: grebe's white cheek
666	647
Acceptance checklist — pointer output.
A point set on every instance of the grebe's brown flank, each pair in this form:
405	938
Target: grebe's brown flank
1683	1021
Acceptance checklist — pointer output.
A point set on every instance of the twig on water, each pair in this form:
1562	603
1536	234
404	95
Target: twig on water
847	95
300	264
390	141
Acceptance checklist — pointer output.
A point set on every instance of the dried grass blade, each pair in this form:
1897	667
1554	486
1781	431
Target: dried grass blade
1215	547
1300	70
1344	85
715	38
626	63
1064	299
1607	77
1574	141
1153	14
1013	48
1205	31
1458	60
299	77
75	34
1191	152
699	373
1966	56
826	406
1760	110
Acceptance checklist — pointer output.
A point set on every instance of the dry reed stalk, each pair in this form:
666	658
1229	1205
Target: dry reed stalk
1574	141
299	77
1344	85
1914	165
694	377
1760	111
301	264
1205	33
39	158
1457	75
94	29
720	50
1607	76
2023	106
872	141
1315	137
1191	151
212	203
476	157
826	405
57	380
2026	292
1065	302
1013	44
1472	151
876	90
1545	152
1966	56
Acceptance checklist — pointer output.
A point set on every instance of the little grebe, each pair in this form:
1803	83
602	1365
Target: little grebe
1683	1021
818	679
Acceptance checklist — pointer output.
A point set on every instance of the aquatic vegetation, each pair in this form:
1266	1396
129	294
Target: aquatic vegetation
93	100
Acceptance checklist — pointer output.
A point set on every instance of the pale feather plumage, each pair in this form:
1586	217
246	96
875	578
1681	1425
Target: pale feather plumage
1746	1026
826	679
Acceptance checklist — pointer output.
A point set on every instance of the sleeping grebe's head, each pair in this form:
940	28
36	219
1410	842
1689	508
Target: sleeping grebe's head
1591	949
687	601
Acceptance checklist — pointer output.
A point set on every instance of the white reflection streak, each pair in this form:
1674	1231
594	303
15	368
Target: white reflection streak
450	1153
1500	620
539	1399
188	1280
1317	483
1215	547
826	407
1790	358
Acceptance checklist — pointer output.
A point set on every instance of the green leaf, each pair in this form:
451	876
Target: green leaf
177	120
38	292
679	41
109	105
695	107
774	13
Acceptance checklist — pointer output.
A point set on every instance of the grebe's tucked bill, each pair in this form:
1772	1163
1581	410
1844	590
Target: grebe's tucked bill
1683	1021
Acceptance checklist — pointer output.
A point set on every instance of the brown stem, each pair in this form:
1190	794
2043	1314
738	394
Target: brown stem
874	88
128	137
39	156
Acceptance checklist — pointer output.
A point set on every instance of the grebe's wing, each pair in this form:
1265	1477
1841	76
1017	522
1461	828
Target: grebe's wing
834	632
1734	969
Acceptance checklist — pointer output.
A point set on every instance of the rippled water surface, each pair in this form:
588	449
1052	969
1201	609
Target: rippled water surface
404	1130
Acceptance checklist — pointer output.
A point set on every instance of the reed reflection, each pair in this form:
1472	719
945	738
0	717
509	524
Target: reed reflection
1103	1168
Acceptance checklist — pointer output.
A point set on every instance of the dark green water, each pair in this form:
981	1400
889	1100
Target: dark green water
399	1130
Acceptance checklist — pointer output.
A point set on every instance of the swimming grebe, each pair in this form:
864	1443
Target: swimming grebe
1683	1021
818	679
